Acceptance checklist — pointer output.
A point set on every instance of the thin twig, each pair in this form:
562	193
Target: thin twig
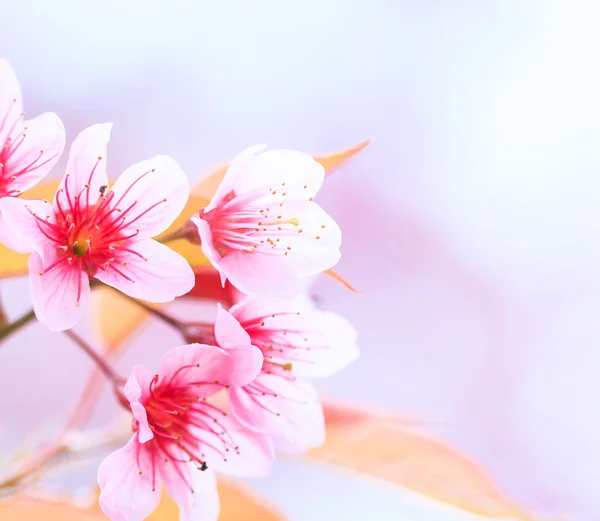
95	356
13	327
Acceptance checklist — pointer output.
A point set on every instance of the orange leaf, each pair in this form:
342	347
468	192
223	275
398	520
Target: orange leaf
37	510
383	446
114	317
240	504
237	504
336	276
333	161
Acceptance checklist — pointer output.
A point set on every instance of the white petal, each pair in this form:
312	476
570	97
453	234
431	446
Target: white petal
236	167
162	277
60	295
156	191
11	104
284	171
86	166
126	484
34	151
20	231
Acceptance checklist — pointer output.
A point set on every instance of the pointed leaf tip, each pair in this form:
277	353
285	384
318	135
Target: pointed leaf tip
336	276
334	161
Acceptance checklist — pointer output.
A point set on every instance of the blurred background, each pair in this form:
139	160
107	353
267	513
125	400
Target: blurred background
471	223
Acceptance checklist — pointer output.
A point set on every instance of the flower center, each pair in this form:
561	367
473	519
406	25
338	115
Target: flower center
184	424
247	223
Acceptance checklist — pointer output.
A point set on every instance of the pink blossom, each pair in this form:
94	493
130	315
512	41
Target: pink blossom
92	231
297	341
180	437
262	230
28	149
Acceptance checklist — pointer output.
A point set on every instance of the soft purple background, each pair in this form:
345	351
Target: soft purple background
471	223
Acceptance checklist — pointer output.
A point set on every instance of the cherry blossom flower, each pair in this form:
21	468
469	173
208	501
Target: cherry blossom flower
180	438
28	149
93	231
297	341
262	230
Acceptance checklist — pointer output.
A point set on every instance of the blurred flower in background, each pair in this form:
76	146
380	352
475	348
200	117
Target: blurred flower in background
470	221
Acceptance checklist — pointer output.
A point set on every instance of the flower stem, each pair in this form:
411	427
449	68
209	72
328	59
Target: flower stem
16	325
95	356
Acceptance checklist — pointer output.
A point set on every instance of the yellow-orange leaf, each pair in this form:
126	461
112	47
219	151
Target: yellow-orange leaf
336	276
38	510
237	504
114	317
333	161
385	447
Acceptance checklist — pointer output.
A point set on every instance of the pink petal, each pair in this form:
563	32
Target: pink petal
247	363
162	277
265	276
197	363
317	247
31	157
228	331
286	171
325	342
249	309
203	502
340	340
157	190
55	293
126	494
11	103
230	335
239	163
293	418
253	458
208	248
86	166
20	231
136	388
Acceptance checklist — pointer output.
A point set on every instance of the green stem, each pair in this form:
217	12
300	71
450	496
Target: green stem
13	327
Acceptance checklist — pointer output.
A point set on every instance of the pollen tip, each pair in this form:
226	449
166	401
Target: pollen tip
99	158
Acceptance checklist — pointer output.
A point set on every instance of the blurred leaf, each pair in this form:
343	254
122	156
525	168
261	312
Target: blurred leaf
334	161
114	317
385	447
237	504
241	504
37	510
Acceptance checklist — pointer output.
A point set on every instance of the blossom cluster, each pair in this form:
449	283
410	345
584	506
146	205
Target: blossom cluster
241	391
